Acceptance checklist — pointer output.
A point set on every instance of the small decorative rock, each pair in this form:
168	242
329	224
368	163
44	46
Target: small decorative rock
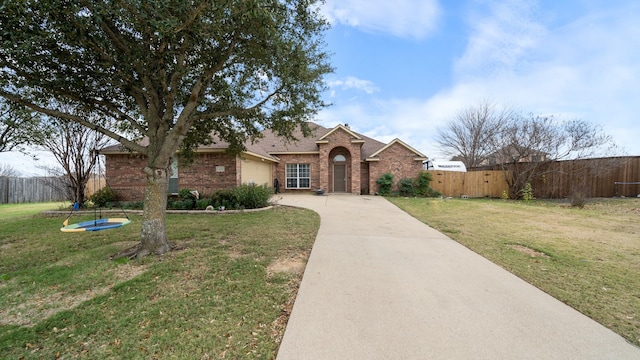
209	208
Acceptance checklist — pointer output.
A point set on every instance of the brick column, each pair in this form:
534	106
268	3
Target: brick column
355	168
323	166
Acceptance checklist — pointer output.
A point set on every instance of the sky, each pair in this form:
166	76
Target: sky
403	68
406	67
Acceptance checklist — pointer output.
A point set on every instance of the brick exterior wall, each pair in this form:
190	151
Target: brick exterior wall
311	159
351	150
364	179
125	176
321	164
124	171
201	175
397	160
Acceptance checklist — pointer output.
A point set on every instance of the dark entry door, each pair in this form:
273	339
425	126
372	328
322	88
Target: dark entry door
339	178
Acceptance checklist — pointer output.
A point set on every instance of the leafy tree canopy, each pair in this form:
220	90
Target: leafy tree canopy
18	127
172	71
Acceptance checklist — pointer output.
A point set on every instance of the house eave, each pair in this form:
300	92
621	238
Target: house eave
271	159
117	152
294	152
209	150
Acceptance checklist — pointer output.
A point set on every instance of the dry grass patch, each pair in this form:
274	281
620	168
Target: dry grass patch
290	263
529	251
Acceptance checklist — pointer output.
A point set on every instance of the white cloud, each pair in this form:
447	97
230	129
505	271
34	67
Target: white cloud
401	18
352	82
588	69
499	41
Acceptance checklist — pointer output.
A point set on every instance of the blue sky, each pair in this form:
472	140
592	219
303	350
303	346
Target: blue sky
405	67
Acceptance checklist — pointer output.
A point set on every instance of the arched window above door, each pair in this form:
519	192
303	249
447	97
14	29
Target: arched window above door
339	158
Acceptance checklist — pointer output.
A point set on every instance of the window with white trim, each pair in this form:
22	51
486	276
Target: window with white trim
298	176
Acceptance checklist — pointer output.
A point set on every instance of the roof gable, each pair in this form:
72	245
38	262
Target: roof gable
419	155
355	135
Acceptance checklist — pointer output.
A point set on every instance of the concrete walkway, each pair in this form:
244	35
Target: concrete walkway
381	285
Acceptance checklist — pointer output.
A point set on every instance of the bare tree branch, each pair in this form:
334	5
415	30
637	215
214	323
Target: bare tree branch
487	135
75	118
470	134
74	147
527	143
7	170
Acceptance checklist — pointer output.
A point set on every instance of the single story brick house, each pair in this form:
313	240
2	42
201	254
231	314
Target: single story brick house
336	160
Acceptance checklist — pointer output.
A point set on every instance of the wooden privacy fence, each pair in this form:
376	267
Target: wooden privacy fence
590	177
472	184
94	184
601	177
16	190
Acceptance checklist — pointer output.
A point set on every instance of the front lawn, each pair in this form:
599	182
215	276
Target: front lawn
587	258
226	295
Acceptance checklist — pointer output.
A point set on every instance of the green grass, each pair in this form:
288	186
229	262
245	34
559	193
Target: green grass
12	211
587	258
60	296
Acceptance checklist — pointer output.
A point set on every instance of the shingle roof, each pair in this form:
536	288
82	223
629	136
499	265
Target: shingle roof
273	143
270	144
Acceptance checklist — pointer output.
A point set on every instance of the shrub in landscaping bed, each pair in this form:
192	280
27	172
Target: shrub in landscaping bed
103	197
245	196
253	196
132	205
422	185
385	182
405	187
202	204
224	199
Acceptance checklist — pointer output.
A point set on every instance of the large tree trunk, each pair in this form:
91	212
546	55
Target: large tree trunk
80	195
80	184
154	236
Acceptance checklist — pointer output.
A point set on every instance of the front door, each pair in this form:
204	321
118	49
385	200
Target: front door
339	177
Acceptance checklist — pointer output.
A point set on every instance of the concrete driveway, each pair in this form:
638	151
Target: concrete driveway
380	284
